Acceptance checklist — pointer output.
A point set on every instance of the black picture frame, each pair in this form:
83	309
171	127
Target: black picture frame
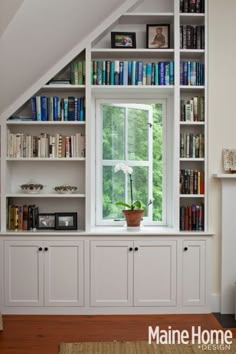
158	36
123	40
46	221
66	221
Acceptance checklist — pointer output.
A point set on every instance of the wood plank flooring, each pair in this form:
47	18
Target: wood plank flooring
42	334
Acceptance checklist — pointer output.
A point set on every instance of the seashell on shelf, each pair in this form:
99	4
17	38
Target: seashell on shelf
32	187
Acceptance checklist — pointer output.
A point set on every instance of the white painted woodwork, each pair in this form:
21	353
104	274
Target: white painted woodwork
228	242
23	264
111	273
40	273
155	271
64	273
194	273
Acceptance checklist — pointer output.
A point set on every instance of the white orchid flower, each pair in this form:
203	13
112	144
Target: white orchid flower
123	167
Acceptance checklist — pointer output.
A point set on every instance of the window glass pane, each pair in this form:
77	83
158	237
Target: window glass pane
157	162
113	132
140	186
138	134
113	191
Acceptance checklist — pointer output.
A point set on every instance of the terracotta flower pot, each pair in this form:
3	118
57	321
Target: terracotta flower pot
133	217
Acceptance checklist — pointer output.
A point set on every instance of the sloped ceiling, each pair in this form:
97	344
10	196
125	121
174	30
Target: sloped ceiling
42	37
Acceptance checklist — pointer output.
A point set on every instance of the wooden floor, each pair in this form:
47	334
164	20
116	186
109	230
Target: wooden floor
42	334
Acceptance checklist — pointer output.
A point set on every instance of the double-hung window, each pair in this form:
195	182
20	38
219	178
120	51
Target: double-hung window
132	132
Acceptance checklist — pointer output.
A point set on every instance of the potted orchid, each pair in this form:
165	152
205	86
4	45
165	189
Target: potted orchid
134	210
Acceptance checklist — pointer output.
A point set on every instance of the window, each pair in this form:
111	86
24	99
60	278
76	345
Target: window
133	133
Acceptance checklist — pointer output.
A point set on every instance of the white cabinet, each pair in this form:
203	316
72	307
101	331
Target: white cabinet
139	273
194	273
43	273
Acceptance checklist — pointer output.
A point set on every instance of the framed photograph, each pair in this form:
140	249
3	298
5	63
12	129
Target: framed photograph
46	221
158	36
66	221
123	40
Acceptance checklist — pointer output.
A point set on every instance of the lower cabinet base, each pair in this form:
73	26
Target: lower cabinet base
102	311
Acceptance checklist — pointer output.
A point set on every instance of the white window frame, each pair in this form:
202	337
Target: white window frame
100	163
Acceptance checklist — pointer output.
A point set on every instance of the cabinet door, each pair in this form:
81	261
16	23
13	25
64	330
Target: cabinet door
23	273
155	273
194	273
63	273
111	273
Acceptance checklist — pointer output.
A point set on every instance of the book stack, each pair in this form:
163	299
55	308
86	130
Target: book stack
132	73
192	110
54	108
192	37
78	73
20	145
22	217
192	218
191	145
192	6
191	181
192	73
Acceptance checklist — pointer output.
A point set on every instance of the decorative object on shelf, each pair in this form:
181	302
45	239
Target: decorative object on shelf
123	40
32	187
65	189
158	36
46	221
229	160
66	221
134	213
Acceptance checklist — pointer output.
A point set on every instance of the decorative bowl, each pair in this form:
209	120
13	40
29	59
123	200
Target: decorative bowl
65	189
32	187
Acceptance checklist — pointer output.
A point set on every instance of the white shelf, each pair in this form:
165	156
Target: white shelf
44	195
224	175
192	88
36	122
133	88
49	159
140	53
195	159
65	87
192	123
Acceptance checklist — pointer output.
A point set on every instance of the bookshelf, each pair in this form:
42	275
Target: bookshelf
187	51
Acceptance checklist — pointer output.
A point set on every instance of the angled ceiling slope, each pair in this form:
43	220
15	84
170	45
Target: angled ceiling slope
43	37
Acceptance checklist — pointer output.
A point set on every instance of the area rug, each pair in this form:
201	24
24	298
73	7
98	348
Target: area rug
138	348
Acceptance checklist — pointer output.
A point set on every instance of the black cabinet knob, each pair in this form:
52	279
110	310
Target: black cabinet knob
46	249
40	249
185	248
130	249
136	248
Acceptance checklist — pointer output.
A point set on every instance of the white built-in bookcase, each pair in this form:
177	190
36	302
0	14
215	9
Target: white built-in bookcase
81	171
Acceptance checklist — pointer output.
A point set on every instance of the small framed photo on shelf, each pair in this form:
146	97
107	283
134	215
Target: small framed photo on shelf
46	221
158	36
66	221
123	40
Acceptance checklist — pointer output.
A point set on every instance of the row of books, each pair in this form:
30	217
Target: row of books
191	145
54	108
191	181
192	218
132	73
78	73
192	110
192	73
45	145
192	6
22	217
192	37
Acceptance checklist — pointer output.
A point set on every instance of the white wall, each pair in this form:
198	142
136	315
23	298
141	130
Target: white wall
8	8
40	35
222	112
